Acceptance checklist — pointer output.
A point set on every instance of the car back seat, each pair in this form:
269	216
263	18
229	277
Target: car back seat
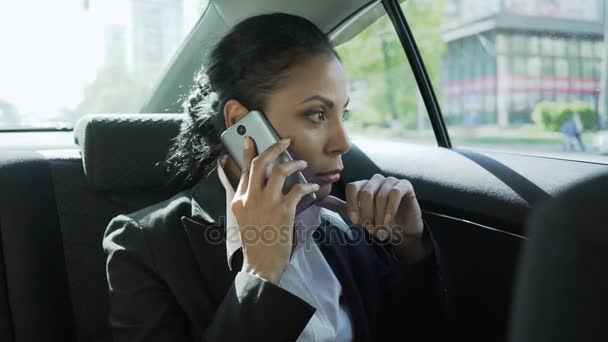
36	283
54	209
560	294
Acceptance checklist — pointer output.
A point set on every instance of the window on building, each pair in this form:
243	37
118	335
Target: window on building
533	43
518	44
501	43
519	66
540	70
534	66
598	48
588	68
546	45
490	103
559	46
547	67
586	48
572	46
502	66
574	67
561	67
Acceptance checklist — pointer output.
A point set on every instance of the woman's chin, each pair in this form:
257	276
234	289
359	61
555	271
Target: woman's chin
324	190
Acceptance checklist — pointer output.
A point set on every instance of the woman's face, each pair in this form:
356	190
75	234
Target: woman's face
309	109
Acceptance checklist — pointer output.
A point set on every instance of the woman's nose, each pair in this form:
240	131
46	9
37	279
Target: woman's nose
338	143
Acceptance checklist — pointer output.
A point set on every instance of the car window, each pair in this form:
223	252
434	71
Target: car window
517	76
385	102
62	59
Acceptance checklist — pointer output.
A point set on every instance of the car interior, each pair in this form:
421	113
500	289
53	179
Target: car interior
60	189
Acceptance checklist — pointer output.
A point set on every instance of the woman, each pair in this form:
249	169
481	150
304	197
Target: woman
228	259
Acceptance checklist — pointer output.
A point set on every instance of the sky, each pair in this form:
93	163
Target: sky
49	50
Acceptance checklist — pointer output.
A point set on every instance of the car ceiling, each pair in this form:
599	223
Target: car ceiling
325	14
170	90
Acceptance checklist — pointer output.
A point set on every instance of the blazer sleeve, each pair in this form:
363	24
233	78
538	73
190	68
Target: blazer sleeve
142	307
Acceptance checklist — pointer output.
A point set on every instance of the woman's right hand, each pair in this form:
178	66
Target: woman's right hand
264	214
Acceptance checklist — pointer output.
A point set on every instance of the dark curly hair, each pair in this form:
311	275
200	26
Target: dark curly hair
247	64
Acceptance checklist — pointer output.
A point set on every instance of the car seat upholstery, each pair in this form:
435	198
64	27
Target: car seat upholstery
54	209
560	293
36	283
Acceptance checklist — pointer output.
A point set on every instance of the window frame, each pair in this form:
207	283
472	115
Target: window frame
406	37
425	86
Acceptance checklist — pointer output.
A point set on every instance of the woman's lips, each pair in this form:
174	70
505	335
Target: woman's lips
328	177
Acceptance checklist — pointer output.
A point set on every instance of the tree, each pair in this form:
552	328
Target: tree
375	57
114	90
552	115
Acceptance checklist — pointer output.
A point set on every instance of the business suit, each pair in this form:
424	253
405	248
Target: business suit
169	280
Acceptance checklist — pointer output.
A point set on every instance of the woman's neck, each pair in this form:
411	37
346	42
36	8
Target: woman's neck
232	172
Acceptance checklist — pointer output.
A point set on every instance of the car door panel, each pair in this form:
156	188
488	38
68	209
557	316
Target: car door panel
477	204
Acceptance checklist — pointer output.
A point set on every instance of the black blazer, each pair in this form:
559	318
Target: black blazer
169	280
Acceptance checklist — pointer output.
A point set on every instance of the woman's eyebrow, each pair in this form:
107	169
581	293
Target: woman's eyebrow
329	103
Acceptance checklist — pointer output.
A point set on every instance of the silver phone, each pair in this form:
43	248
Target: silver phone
256	126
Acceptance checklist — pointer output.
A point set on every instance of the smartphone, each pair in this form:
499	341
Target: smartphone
255	125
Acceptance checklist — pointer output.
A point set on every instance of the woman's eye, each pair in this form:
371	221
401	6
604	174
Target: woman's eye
345	115
317	117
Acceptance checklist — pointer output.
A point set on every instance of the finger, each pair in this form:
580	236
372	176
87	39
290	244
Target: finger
402	189
382	199
334	204
280	173
352	199
248	155
298	191
367	198
260	163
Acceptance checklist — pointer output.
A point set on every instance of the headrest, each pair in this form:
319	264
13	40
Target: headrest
560	294
120	152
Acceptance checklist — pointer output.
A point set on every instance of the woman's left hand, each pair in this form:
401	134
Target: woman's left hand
388	209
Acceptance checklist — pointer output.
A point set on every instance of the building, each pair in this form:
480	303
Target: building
505	56
157	30
115	45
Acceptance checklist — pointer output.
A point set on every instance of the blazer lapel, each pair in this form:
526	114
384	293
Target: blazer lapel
207	234
334	247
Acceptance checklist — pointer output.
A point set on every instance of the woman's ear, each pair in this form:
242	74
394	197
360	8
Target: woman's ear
233	112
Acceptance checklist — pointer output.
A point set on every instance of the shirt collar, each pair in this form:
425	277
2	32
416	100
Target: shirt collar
233	239
208	202
305	222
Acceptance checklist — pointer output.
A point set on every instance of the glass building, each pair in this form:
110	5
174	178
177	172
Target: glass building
505	56
157	30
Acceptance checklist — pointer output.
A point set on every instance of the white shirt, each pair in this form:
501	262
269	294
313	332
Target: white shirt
308	274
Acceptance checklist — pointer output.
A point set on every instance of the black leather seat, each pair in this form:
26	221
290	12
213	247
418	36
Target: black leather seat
562	287
36	287
54	209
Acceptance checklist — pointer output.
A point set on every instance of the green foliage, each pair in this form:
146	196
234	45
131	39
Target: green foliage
551	115
378	68
425	18
114	90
